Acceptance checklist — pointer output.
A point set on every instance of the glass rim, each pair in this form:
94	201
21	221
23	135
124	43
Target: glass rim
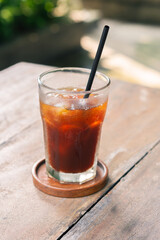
74	70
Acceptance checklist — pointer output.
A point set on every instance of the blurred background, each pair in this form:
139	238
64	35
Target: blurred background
66	33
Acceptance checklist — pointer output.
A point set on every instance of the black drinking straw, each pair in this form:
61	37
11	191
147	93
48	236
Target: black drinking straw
97	58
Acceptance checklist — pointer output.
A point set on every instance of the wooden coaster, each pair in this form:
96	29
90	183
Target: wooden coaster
52	187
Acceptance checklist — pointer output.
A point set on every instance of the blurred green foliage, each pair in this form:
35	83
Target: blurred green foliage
20	16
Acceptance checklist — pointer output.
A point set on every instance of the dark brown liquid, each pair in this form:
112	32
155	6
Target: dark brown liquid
72	136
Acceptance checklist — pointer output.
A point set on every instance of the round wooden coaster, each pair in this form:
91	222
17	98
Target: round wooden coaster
52	187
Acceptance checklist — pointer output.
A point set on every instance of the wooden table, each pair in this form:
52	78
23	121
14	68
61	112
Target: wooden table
127	208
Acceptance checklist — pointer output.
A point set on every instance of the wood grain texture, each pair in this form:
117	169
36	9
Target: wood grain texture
132	209
131	127
18	98
130	130
52	187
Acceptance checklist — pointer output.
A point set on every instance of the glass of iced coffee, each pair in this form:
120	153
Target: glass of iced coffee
72	121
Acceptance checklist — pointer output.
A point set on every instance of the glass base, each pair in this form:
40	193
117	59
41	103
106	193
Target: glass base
72	177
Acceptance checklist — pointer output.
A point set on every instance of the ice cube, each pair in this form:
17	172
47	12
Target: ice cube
51	99
59	105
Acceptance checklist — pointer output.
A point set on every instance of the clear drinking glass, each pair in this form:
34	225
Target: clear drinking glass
72	120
